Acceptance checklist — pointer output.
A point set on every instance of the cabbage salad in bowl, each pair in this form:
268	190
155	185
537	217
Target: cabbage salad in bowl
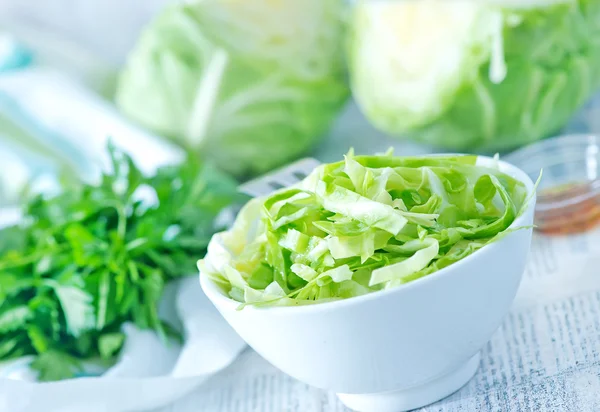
362	225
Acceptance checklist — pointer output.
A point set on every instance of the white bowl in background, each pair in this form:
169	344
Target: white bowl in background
397	349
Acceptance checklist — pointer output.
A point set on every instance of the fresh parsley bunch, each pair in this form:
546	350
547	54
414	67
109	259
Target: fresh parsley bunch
82	263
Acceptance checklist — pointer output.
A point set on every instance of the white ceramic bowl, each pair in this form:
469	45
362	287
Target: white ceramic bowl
397	349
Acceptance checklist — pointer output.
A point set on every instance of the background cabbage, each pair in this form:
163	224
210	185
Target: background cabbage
467	75
249	83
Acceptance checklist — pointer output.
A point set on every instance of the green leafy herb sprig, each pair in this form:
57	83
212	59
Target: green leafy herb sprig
82	263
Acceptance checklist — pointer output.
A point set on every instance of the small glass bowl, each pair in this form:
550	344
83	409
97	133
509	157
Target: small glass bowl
568	198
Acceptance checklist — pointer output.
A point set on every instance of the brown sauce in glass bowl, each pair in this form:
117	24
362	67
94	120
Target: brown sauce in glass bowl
568	209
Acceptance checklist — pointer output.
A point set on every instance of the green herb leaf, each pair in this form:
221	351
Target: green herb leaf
14	318
8	344
77	308
54	365
40	342
109	344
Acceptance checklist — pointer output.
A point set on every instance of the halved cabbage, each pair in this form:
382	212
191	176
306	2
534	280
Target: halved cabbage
470	74
249	83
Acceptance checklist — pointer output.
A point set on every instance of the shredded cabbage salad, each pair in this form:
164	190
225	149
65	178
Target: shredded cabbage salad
361	225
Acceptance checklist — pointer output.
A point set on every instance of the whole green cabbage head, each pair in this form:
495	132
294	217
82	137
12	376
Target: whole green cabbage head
474	75
251	84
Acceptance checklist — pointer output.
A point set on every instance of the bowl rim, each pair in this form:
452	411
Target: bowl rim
222	301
